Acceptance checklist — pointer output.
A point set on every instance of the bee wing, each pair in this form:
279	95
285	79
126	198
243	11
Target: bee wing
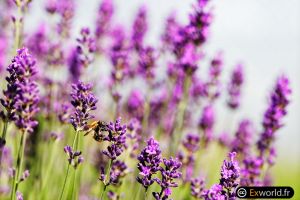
91	127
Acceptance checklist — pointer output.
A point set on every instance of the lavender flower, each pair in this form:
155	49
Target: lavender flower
213	84
171	28
225	140
21	96
65	10
19	195
112	195
103	21
214	193
251	171
84	101
274	114
234	87
139	28
243	137
157	107
63	113
86	47
206	123
119	55
51	6
74	65
147	59
75	157
191	145
118	171
230	173
189	58
55	54
149	161
134	136
200	20
24	176
135	104
116	138
38	42
169	173
198	88
197	187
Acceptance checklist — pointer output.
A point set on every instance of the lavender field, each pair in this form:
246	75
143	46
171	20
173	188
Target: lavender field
104	99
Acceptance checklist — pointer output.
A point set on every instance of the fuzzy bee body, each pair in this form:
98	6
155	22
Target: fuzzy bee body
97	127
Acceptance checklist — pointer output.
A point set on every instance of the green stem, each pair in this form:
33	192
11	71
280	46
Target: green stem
68	169
3	138
4	131
74	196
74	185
107	177
20	157
65	181
18	26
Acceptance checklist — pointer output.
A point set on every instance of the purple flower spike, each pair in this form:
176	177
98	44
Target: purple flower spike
116	138
147	59
135	104
171	28
251	171
21	96
84	101
169	174
63	113
274	114
200	20
134	136
38	43
75	157
189	59
214	193
65	9
118	170
139	29
234	87
104	18
119	55
86	47
191	143
207	122
214	83
197	187
74	65
230	173
24	176
19	195
243	138
149	161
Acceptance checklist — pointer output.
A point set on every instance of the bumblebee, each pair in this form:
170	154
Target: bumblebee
97	127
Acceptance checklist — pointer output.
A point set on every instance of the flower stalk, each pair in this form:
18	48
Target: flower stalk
15	183
68	168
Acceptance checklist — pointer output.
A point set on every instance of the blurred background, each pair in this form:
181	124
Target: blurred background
263	34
